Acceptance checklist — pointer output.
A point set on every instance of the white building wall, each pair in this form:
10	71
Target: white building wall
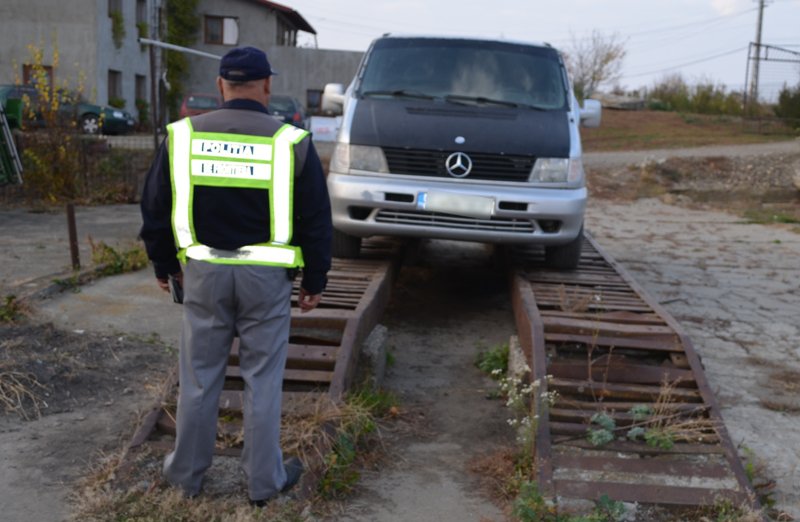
67	25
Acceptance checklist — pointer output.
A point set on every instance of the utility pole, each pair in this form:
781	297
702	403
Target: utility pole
754	79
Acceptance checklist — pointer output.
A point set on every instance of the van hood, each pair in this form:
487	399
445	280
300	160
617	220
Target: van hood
435	125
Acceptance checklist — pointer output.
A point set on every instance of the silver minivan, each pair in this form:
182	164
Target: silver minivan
465	139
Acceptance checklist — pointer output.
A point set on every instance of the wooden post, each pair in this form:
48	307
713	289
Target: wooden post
73	237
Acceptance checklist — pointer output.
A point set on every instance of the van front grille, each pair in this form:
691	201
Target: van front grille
489	167
440	220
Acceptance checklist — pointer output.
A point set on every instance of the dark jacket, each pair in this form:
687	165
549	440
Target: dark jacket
229	218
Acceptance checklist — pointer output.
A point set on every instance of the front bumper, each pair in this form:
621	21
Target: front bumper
366	205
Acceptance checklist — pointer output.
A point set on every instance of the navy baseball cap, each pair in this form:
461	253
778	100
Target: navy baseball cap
244	64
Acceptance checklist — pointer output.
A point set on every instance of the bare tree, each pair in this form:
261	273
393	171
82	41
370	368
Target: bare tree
594	61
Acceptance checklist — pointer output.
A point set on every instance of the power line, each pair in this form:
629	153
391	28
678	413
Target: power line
694	62
387	26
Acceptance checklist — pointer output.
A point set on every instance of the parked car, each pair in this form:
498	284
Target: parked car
90	118
465	139
198	103
288	110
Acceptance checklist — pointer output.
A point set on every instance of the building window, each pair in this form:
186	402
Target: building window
314	101
286	34
28	73
141	87
221	30
114	6
141	12
115	88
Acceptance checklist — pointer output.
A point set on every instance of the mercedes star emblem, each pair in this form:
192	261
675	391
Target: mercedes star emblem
458	165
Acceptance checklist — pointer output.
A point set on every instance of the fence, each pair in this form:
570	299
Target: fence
770	69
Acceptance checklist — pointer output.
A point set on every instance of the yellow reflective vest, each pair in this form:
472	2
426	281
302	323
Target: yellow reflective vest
234	160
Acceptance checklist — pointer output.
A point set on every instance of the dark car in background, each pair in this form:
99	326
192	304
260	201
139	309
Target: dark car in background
88	117
198	103
288	109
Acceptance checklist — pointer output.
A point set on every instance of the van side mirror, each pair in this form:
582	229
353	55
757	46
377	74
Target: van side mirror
333	99
590	113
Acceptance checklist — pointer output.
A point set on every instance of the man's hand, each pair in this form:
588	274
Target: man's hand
164	283
306	301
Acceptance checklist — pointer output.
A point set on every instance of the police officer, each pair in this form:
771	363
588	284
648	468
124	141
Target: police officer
240	200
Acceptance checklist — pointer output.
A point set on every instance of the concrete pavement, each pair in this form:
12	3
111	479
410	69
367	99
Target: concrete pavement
35	255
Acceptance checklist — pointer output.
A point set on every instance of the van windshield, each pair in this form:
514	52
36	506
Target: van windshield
465	72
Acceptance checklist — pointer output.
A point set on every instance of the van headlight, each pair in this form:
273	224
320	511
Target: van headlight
347	157
557	170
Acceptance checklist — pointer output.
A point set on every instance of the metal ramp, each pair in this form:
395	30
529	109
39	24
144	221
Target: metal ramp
324	347
608	347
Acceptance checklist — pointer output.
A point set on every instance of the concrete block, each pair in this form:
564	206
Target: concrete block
517	364
372	359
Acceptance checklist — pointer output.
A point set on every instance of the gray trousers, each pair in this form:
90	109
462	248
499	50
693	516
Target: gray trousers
219	302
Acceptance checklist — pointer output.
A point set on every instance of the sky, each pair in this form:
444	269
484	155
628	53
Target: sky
702	40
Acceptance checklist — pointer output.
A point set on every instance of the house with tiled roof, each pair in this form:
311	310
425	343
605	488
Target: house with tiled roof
302	71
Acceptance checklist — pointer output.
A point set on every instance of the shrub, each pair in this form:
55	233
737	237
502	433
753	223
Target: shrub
789	105
672	93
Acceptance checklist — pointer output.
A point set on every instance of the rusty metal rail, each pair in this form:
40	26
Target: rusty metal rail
323	345
607	346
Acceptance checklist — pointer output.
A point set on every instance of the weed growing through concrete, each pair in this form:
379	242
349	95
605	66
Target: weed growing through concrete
352	438
115	261
11	310
72	283
493	360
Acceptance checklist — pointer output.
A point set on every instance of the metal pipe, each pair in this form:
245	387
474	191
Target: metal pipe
173	47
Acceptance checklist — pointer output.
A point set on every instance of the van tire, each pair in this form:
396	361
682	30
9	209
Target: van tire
345	246
566	256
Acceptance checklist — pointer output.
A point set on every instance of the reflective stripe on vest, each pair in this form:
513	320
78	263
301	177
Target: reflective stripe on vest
239	161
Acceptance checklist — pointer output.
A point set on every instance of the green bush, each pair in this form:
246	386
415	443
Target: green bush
117	28
143	108
789	105
672	93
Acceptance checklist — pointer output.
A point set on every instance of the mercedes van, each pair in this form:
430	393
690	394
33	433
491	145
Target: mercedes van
456	138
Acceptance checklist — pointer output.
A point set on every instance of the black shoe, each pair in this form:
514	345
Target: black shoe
259	503
294	469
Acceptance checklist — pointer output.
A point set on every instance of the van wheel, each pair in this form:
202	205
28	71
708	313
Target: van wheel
345	246
566	256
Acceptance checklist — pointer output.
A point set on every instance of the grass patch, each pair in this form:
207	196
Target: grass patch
12	309
334	441
763	216
494	361
641	130
116	261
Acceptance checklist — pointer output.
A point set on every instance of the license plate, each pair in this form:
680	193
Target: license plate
459	204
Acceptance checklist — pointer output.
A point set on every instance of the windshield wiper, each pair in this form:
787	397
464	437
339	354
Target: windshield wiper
459	99
400	93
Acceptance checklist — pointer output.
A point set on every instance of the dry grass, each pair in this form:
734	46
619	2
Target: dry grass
576	301
129	487
637	130
19	391
678	427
